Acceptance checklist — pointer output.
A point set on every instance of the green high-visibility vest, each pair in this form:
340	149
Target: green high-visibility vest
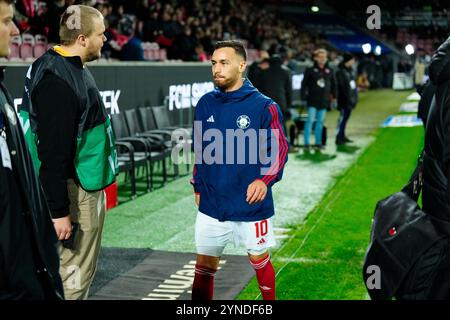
96	156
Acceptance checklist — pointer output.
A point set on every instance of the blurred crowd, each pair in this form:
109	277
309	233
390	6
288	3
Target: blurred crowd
187	30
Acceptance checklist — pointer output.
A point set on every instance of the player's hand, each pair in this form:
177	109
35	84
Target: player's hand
256	192
197	199
63	227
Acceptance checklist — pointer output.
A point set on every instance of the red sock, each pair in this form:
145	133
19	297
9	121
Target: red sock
203	287
266	277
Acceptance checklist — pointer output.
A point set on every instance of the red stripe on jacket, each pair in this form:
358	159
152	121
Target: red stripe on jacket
283	147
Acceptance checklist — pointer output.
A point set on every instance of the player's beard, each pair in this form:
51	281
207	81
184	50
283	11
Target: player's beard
225	83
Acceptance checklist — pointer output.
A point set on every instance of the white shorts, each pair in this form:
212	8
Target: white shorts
211	235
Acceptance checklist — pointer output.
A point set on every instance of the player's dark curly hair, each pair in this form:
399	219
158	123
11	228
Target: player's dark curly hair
238	46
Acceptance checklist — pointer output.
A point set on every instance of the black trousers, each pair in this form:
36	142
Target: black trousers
342	123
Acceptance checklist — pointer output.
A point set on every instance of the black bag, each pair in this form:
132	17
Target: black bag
429	278
401	237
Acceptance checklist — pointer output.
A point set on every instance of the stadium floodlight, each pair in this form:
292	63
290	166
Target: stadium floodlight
315	9
409	49
378	50
366	47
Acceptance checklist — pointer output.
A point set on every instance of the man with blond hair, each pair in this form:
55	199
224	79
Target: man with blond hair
70	140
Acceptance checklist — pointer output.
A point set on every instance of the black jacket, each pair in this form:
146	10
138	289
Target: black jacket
56	104
436	188
346	88
29	261
57	136
253	72
318	86
426	92
275	82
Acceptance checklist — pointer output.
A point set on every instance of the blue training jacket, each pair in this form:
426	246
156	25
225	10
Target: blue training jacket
222	180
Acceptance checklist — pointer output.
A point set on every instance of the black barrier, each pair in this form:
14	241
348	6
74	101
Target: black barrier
127	86
124	86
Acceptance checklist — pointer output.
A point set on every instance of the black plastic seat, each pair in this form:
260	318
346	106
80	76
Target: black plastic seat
160	149
142	148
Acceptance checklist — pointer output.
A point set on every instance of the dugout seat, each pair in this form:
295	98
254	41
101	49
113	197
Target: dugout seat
139	158
160	149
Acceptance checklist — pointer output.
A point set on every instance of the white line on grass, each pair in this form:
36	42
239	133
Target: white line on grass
291	257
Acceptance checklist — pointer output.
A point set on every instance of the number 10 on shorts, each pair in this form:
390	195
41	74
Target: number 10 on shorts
261	228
